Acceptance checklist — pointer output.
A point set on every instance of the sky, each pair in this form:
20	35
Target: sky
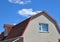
15	11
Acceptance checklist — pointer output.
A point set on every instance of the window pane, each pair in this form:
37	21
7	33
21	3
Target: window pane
43	27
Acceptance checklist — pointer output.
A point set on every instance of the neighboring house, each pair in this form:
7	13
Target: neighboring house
38	28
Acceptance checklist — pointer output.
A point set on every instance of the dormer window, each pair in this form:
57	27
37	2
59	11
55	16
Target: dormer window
43	27
5	32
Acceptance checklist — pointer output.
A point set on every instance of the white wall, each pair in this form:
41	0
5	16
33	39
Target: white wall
33	34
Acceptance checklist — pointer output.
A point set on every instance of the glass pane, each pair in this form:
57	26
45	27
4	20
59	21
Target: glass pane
43	27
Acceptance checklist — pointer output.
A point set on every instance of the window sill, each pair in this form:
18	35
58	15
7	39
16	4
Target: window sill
43	32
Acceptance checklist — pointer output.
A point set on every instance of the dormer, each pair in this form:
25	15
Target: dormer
7	29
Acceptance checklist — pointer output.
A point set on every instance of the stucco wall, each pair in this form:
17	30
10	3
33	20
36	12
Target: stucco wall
33	34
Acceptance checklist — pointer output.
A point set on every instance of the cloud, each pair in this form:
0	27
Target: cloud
19	1
14	24
27	12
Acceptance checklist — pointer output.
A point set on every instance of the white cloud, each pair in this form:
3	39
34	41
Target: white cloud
19	1
14	24
27	12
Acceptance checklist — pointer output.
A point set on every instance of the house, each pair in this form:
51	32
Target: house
37	28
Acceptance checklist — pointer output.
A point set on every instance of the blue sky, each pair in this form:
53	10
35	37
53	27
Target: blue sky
11	10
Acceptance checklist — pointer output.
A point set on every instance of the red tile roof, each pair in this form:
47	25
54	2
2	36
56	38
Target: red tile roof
18	29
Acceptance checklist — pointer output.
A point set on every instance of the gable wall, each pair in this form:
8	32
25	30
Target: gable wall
33	34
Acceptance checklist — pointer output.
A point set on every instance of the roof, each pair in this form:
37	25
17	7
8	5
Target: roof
15	39
1	36
19	29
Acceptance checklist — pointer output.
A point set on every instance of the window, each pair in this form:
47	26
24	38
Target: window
43	27
5	32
